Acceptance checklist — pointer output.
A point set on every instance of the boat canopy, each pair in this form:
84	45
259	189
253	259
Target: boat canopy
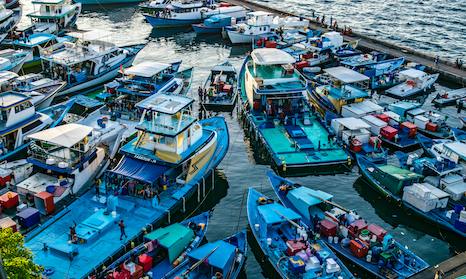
222	258
345	75
9	99
402	106
412	73
164	103
399	173
259	13
34	40
457	147
139	170
304	198
353	123
64	135
147	69
226	68
174	238
275	213
271	56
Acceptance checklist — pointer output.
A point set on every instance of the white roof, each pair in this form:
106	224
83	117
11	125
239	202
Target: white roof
352	123
146	69
364	107
6	76
374	120
412	73
259	13
65	135
271	56
345	75
457	147
164	103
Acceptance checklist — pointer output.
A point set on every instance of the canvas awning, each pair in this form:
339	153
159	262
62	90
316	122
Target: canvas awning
147	69
64	135
221	258
345	75
275	213
353	123
271	56
139	170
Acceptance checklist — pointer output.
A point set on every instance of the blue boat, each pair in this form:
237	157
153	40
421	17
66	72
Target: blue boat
280	119
213	24
347	50
167	247
458	134
20	119
159	172
405	187
221	88
220	259
106	2
286	241
388	258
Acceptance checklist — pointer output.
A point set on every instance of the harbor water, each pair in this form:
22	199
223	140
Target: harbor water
244	166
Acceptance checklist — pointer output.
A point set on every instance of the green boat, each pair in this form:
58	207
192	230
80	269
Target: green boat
281	120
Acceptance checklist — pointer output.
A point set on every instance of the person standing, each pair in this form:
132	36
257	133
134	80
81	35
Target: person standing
122	226
436	61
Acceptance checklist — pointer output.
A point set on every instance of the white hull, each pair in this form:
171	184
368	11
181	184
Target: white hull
87	175
242	38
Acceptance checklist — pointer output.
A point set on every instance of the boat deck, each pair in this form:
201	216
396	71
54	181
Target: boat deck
295	151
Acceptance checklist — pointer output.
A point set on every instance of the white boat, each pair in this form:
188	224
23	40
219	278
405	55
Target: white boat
8	20
54	16
413	82
178	14
41	89
13	60
6	80
67	159
452	150
87	63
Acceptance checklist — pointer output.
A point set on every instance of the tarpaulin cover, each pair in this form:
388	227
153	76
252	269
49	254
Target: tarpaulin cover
139	170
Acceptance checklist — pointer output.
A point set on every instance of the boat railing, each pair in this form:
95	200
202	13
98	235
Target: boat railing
46	157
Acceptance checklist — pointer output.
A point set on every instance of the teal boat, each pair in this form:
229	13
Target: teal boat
272	93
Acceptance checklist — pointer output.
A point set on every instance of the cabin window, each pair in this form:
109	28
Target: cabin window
31	126
47	9
3	115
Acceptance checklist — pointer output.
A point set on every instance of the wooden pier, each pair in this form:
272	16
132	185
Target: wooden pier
454	267
449	72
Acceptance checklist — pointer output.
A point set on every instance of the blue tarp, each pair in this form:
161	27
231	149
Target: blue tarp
274	213
139	170
221	258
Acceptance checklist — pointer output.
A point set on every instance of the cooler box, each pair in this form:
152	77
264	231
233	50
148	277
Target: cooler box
29	217
356	146
328	228
359	248
383	117
44	202
296	264
388	132
145	261
377	231
356	227
270	44
6	223
9	200
431	127
294	247
302	64
412	128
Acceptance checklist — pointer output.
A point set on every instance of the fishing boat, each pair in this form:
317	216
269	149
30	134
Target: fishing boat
287	242
406	187
159	171
347	49
454	151
33	43
369	246
41	89
8	20
356	136
106	2
220	259
337	88
87	63
381	71
449	98
459	134
54	16
213	25
12	60
19	119
179	14
272	93
67	157
429	123
413	82
221	88
163	249
6	80
154	6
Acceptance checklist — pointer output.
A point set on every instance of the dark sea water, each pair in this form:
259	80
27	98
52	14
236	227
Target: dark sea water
241	169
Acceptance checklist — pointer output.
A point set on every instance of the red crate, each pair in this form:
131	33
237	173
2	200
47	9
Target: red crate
270	44
356	146
9	200
383	117
359	248
377	231
388	132
356	227
411	127
145	261
328	228
373	140
294	246
431	127
302	64
7	222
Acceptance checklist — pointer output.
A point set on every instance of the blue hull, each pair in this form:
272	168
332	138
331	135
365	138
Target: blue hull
202	29
158	22
66	260
373	268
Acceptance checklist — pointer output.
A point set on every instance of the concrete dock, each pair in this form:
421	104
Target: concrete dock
449	72
454	267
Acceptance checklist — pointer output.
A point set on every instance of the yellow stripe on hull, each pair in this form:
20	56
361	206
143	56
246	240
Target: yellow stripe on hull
201	158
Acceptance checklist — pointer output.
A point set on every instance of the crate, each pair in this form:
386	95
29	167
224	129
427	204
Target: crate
328	228
388	132
9	200
377	231
294	246
296	265
146	262
359	248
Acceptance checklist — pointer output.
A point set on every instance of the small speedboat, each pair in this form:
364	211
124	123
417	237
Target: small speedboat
288	243
413	82
212	25
366	245
220	259
449	98
55	16
13	60
221	88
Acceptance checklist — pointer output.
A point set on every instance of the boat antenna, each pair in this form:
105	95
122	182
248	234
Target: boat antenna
198	263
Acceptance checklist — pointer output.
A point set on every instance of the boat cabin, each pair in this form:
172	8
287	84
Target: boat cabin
308	202
275	216
454	151
15	108
351	130
395	178
345	87
6	80
272	84
58	12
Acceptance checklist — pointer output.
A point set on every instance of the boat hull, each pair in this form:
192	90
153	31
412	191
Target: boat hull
202	29
106	2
